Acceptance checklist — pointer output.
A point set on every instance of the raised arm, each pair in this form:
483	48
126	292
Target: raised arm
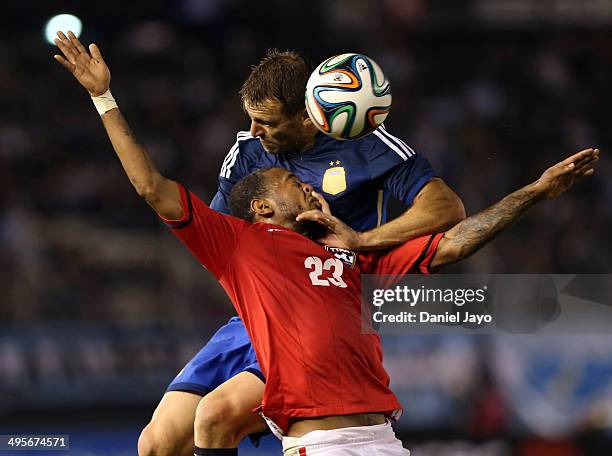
470	235
93	74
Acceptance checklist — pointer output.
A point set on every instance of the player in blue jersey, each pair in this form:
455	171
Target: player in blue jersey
222	384
356	177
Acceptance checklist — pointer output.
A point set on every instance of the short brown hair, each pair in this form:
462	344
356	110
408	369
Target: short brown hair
278	76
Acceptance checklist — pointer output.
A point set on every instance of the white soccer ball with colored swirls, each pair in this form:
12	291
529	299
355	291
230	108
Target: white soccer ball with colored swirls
348	96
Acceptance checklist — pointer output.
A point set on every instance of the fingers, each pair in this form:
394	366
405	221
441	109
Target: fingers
95	52
587	163
65	50
577	157
316	216
580	155
65	63
578	161
66	47
324	205
594	156
77	44
584	162
587	171
584	166
312	215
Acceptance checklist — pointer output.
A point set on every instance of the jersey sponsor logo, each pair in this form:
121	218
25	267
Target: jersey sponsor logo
348	257
334	180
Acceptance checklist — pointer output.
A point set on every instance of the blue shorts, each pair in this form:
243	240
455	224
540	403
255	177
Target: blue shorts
227	353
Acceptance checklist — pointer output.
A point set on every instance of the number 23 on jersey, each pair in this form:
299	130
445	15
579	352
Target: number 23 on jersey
316	265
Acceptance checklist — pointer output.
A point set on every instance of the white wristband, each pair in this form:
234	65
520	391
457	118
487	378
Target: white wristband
104	102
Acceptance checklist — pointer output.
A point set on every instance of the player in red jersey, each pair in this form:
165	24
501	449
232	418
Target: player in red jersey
327	390
301	304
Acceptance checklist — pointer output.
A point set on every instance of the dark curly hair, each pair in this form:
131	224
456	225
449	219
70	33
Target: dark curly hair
278	76
250	187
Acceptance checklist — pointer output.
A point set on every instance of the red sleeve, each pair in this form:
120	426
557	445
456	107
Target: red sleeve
211	236
412	257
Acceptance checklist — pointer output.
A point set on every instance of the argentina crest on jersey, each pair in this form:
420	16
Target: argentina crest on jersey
348	257
334	179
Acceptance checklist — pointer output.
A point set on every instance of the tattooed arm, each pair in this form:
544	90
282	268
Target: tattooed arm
89	68
468	236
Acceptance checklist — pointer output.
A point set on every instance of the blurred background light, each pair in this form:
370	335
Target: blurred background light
63	22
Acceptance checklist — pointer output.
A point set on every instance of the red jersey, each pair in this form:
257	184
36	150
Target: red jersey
302	310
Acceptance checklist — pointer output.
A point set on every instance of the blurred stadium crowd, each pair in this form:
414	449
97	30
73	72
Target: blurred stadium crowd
101	304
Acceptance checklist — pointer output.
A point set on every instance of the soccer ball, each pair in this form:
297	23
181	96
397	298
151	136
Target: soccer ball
348	96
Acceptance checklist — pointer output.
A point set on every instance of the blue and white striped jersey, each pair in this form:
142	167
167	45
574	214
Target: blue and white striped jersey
356	177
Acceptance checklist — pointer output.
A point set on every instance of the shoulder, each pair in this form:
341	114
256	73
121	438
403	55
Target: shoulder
382	152
244	152
382	144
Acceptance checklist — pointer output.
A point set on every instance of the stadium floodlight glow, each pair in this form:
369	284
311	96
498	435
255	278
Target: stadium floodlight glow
63	22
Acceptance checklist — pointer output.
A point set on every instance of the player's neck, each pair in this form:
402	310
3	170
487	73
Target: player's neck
309	229
310	137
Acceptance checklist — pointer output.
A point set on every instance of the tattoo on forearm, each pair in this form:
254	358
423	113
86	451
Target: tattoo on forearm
474	232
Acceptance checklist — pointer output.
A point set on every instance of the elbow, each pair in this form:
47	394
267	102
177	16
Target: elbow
459	211
147	192
148	189
451	215
442	204
163	195
456	212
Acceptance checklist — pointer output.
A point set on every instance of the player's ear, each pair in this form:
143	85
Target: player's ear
262	207
306	118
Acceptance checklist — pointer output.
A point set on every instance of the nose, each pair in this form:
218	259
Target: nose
256	129
307	188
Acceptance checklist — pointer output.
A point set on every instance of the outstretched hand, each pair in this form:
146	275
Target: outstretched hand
89	69
560	177
339	234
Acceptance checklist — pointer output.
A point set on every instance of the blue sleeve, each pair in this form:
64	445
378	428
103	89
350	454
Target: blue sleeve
239	162
220	201
407	179
403	171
